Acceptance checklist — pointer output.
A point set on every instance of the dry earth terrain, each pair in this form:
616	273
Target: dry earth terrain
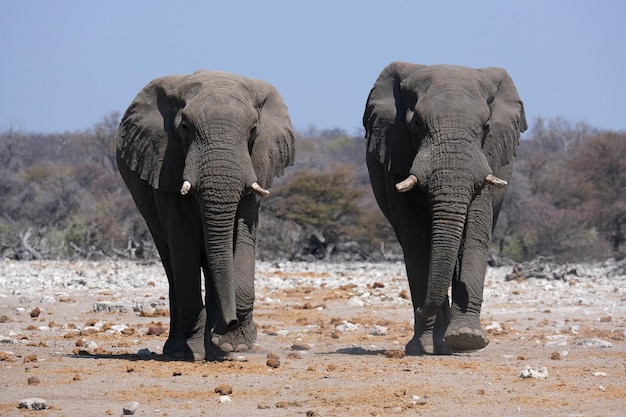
86	337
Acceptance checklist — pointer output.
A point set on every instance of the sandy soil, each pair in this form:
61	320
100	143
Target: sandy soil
335	337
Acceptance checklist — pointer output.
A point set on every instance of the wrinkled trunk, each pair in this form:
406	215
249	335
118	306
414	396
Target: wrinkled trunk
218	220
451	186
447	232
215	169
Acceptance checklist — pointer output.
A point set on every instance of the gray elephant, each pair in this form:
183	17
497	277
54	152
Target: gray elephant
440	147
197	153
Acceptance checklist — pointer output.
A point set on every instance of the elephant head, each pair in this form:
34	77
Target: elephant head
449	131
217	136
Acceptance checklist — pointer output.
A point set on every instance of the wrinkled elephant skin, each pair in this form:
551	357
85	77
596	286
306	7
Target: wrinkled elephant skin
440	147
197	153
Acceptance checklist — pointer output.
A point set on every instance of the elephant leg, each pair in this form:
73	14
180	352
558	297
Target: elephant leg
411	219
181	249
242	336
465	331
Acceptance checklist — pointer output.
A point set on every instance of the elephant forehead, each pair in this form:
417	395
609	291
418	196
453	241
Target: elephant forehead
440	78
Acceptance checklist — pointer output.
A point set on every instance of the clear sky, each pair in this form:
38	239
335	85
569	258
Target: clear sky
66	64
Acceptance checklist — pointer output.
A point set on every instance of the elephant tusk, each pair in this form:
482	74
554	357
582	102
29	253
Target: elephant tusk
407	184
495	181
185	188
258	190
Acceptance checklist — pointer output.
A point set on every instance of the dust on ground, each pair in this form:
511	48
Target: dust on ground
87	336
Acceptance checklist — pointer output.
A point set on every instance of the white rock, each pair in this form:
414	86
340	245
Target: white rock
530	372
378	331
356	302
130	408
346	326
224	399
33	404
594	343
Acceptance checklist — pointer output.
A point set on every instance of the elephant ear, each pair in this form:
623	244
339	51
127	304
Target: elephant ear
384	120
507	120
146	139
274	147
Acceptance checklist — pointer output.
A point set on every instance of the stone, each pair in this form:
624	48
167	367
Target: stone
33	404
130	408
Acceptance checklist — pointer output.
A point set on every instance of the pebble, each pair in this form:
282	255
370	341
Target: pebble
300	346
47	299
33	380
530	372
130	408
378	331
33	404
224	389
346	326
107	307
144	353
593	343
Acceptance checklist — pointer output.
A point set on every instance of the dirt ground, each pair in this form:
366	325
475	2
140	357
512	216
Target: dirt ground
335	344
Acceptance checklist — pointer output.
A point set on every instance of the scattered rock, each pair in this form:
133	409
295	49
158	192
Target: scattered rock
273	363
33	380
593	343
394	354
224	389
300	346
130	408
378	331
156	330
530	372
7	340
35	312
263	406
346	326
33	404
555	356
144	353
108	307
30	358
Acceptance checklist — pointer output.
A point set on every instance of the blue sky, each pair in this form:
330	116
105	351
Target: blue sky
67	64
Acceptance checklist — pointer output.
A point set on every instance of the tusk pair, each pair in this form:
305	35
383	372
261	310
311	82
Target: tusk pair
256	188
411	181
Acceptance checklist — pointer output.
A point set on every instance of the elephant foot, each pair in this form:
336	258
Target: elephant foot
465	338
428	337
424	345
181	350
237	338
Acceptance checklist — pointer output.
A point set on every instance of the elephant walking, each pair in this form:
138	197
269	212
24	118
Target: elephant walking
440	147
197	153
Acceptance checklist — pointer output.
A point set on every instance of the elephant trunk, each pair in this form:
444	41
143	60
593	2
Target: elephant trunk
215	173
218	222
447	232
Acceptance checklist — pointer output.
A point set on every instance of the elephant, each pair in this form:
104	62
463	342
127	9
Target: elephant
441	141
197	153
